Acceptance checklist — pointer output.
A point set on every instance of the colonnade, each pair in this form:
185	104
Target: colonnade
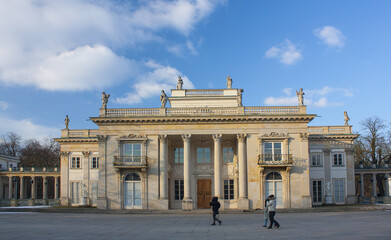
187	171
374	192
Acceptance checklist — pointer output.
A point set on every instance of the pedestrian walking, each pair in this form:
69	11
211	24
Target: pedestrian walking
215	210
266	212
272	212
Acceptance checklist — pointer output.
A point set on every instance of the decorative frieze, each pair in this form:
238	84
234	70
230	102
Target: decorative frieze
274	135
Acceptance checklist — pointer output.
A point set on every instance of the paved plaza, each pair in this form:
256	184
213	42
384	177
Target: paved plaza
315	225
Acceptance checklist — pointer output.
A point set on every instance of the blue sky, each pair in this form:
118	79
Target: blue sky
56	57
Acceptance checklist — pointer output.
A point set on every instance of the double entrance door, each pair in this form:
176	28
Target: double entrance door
204	193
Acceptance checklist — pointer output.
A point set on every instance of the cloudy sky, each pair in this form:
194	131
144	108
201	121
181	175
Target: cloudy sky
56	57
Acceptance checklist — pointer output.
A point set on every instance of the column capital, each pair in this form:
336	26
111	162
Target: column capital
186	137
162	138
241	137
326	151
86	154
217	137
65	154
102	138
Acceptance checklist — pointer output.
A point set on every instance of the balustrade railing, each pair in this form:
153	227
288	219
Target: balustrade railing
330	130
136	112
135	161
275	159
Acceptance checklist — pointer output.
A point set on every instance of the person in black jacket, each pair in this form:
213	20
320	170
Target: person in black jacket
215	209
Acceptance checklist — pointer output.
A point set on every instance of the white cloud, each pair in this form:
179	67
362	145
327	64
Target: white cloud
152	80
312	97
287	53
26	128
182	50
4	105
72	44
330	36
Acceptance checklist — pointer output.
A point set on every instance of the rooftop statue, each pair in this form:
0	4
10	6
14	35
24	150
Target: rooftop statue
66	121
347	119
180	83
105	99
240	97
300	97
229	82
163	99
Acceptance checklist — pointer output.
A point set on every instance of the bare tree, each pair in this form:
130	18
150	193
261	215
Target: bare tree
10	144
40	154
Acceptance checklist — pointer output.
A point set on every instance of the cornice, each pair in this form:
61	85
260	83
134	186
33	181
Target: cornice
333	136
76	140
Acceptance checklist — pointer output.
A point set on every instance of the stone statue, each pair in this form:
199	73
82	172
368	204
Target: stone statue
300	97
347	119
105	99
240	97
66	121
163	99
229	82
328	188
180	83
84	192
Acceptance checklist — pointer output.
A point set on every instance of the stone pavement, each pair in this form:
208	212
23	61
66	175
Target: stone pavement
314	225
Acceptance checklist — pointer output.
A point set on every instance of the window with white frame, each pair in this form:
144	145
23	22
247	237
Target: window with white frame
228	154
75	162
228	189
338	159
178	189
272	151
95	162
178	155
131	152
316	160
339	190
75	192
203	155
317	191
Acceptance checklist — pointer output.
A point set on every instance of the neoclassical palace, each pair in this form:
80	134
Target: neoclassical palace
206	144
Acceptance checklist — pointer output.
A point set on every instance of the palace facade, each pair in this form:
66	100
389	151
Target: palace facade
206	144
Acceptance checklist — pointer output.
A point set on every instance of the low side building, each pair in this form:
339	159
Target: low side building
206	144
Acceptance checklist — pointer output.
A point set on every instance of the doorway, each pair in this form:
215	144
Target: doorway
204	193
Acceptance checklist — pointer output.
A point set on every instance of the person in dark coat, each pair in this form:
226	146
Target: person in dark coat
215	210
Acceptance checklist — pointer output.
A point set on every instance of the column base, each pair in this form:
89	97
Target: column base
351	199
65	201
31	202
243	204
163	204
187	205
102	203
14	202
83	201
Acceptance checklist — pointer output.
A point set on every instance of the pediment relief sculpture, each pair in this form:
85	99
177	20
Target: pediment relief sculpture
274	135
133	137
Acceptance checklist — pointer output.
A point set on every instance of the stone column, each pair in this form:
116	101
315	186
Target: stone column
10	187
56	184
243	202
163	167
33	188
64	177
45	188
262	186
362	185
21	190
374	192
187	203
217	165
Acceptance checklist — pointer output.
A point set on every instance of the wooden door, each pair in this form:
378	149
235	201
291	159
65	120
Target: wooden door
204	192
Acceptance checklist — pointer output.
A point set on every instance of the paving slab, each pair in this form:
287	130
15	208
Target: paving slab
313	225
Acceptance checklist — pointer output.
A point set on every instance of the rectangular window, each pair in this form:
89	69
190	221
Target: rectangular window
272	151
75	162
338	159
75	192
316	160
229	189
178	189
178	153
95	162
339	191
317	191
131	152
203	155
228	154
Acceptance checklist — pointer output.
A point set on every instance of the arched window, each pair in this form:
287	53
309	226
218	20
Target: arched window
273	176
132	177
